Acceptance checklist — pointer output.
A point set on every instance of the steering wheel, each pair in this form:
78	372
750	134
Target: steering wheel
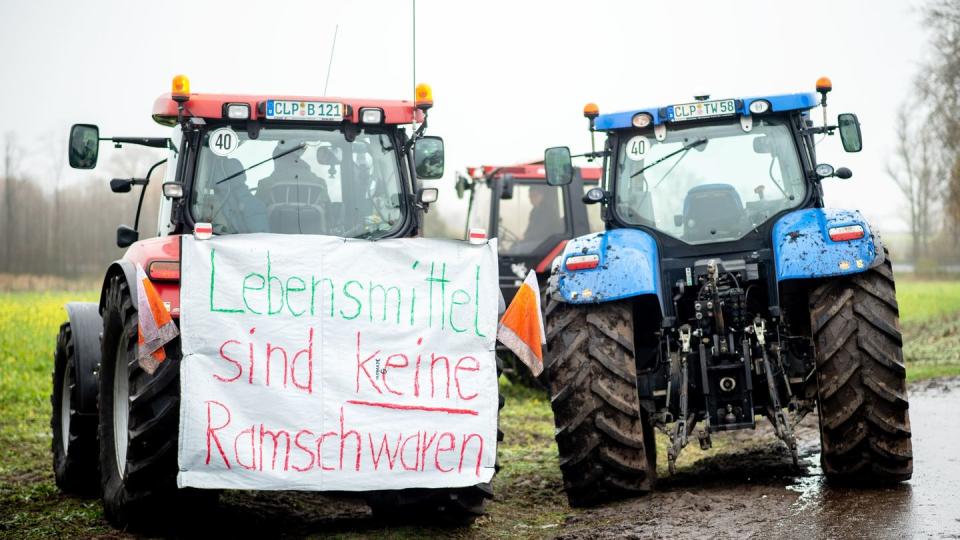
508	235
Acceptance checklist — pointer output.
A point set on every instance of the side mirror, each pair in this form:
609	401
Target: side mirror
558	165
126	236
121	185
506	186
761	145
84	146
428	158
463	184
850	132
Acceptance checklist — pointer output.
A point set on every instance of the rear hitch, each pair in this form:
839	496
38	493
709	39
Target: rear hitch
777	417
678	439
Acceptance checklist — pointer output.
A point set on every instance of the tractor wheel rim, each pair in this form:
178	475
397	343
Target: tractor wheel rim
65	391
121	410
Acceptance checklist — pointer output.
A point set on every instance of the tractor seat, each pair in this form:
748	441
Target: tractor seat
297	208
712	212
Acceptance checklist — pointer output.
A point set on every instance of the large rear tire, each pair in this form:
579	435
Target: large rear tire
74	444
139	423
861	379
605	439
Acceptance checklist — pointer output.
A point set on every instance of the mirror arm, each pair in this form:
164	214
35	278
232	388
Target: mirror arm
143	190
593	155
416	135
818	130
152	142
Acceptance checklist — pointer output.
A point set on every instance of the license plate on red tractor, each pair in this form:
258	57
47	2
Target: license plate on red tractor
314	111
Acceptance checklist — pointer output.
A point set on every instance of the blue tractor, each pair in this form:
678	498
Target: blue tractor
721	289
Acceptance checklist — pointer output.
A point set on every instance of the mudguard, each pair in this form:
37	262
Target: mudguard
803	249
125	268
85	326
629	266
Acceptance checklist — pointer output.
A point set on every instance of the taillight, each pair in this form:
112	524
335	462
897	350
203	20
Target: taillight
582	262
850	232
164	270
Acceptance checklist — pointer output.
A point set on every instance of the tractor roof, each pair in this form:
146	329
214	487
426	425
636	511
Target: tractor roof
665	114
531	171
213	106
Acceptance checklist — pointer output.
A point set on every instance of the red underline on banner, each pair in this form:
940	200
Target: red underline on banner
413	407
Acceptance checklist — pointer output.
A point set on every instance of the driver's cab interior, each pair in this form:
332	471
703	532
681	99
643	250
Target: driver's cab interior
710	183
300	182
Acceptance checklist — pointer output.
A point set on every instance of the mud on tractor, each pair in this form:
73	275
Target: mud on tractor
532	221
235	164
722	289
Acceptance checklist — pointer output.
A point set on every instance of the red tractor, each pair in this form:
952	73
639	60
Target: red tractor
532	221
235	164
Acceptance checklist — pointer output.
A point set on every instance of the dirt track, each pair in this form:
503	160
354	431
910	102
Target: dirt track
758	492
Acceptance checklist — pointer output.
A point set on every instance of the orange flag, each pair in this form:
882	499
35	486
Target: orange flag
155	327
521	327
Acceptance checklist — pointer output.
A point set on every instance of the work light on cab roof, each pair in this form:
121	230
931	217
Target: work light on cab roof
180	88
423	96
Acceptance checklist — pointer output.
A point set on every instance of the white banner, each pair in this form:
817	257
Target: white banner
318	363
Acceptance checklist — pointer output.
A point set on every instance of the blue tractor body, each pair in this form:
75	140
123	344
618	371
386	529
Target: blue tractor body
629	263
721	290
662	115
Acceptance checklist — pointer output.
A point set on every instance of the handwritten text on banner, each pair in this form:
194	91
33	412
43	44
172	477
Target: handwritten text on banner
315	363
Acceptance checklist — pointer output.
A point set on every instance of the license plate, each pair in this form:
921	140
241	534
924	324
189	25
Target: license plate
315	111
704	109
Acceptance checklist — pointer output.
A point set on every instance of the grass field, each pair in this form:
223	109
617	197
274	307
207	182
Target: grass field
529	501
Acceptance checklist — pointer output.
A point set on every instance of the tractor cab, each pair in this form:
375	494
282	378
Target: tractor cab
534	219
710	171
240	164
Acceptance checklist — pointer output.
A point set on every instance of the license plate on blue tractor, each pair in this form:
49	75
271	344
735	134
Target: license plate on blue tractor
703	109
314	111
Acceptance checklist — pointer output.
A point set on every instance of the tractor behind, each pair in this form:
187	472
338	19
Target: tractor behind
532	221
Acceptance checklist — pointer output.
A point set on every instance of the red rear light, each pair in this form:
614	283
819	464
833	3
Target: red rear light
850	232
164	270
582	262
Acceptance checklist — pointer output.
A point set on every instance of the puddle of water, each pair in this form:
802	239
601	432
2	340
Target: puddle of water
925	507
810	486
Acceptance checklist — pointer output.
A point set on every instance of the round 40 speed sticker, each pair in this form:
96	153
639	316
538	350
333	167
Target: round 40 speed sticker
637	147
223	141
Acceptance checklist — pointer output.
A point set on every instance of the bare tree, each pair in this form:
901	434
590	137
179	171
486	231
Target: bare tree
11	156
939	86
916	170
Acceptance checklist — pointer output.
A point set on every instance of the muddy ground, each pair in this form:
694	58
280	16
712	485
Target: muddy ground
746	487
750	489
757	492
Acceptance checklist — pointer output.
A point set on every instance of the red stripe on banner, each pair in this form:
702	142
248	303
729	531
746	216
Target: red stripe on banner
397	406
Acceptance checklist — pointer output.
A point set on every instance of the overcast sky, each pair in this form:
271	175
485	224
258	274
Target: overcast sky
509	77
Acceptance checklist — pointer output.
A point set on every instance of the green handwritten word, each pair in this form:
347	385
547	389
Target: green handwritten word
269	293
